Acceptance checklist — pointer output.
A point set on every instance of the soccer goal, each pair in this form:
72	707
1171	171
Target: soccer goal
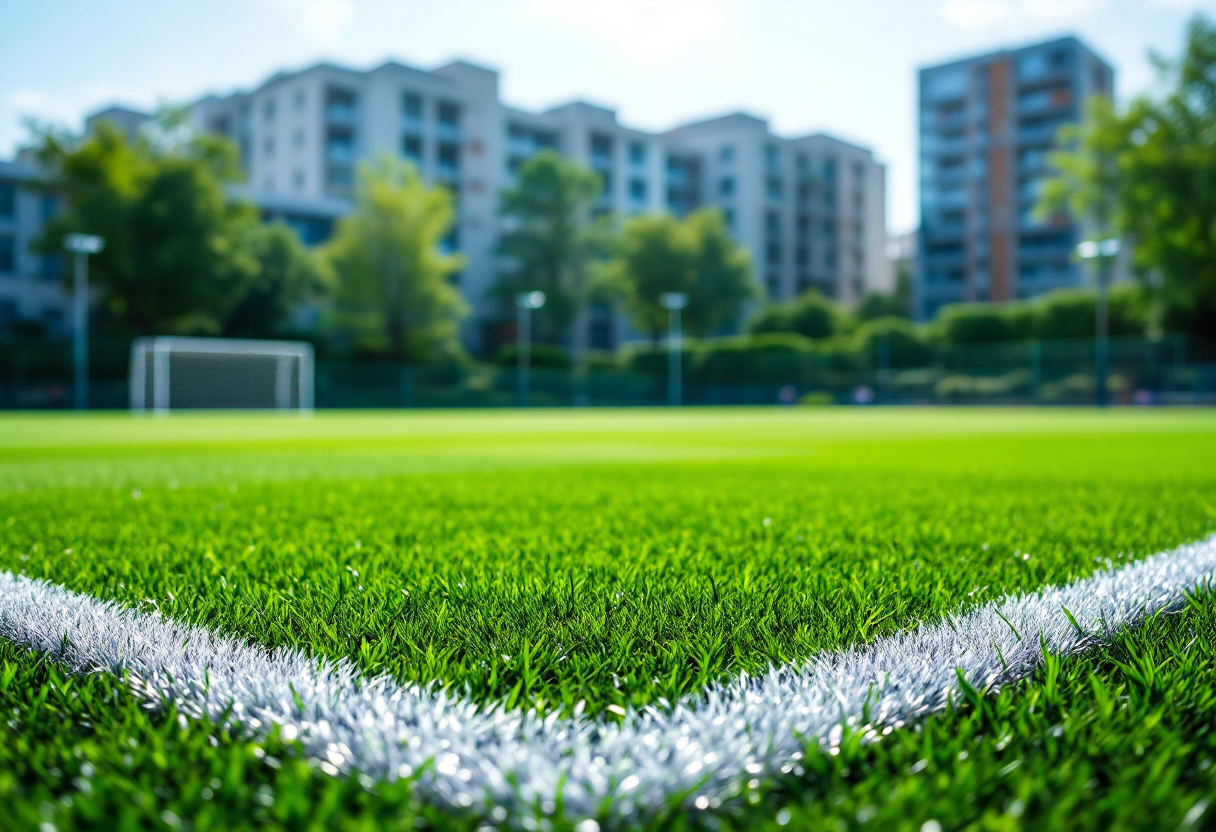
172	373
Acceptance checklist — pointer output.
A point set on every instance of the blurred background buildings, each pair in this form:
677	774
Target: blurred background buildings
987	125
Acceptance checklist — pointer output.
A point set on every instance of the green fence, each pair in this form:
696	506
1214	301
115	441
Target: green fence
37	374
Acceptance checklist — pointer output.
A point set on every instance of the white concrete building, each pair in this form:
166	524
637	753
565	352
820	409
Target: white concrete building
810	210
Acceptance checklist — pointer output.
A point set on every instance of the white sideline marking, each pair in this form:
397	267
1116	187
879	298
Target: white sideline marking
696	754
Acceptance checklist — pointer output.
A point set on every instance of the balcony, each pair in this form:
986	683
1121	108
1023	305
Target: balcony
340	114
340	152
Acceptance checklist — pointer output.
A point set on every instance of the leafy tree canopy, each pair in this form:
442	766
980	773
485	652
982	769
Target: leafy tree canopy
288	275
695	256
1147	172
552	242
810	315
391	277
177	258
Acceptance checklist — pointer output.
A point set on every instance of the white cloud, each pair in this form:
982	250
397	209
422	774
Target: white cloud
976	14
649	34
1056	10
322	21
985	14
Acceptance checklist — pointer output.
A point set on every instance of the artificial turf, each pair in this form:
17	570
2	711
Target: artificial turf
613	558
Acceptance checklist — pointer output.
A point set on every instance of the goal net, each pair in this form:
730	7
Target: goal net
171	373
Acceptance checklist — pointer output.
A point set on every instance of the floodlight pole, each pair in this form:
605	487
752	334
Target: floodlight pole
81	246
525	302
1103	251
673	302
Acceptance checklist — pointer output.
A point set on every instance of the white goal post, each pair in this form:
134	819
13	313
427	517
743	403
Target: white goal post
173	372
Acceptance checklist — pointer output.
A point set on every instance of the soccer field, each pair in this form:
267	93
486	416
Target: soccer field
581	597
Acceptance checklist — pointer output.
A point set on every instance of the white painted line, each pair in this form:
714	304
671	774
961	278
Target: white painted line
697	753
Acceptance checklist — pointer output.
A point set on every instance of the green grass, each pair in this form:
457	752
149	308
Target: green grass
546	558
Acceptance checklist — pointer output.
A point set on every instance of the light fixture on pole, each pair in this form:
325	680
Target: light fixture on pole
81	246
673	302
525	302
1103	251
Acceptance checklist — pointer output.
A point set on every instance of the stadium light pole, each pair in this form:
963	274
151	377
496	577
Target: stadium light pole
673	302
525	302
81	246
1103	251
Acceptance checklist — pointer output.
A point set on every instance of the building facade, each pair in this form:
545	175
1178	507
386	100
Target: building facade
33	295
987	125
811	210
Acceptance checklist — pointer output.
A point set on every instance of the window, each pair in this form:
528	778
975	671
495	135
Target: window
727	153
943	86
637	190
8	199
802	256
772	157
340	106
340	145
773	252
637	154
729	216
804	224
802	164
449	161
726	186
268	110
829	169
773	188
300	99
601	151
411	106
8	254
449	119
411	148
50	206
772	223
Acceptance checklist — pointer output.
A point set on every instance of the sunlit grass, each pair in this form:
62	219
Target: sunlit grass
542	559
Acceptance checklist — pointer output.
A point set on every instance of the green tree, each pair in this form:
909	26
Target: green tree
552	242
722	275
391	277
175	259
694	256
288	275
810	315
658	255
875	305
1147	171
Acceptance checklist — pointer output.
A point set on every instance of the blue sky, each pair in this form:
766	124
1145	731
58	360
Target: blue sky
845	67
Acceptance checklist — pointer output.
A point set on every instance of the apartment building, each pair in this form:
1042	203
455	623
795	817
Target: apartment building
810	210
987	125
32	291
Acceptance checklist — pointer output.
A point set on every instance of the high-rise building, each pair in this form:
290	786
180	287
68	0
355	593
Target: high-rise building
987	125
810	210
